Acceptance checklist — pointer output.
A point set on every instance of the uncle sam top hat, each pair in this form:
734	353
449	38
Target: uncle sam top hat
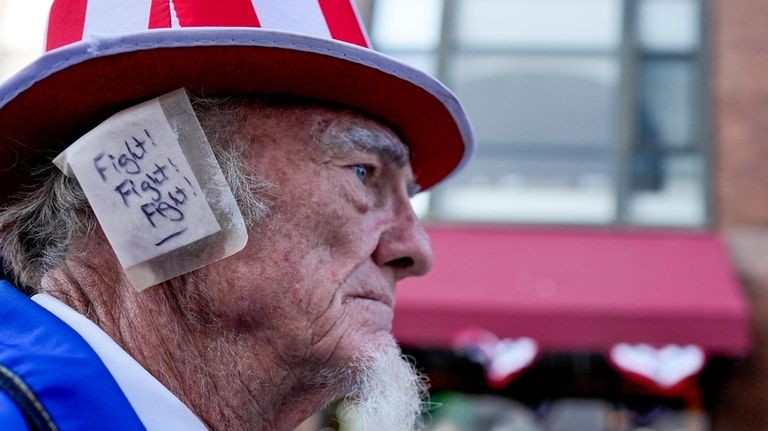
106	55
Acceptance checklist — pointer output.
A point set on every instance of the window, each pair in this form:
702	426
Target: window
586	111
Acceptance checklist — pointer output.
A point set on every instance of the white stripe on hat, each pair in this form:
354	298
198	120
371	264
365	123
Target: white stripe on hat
174	17
301	16
116	16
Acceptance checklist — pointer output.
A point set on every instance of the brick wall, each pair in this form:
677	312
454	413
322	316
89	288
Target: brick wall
740	43
740	84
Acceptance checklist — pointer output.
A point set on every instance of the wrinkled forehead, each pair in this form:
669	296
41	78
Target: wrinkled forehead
332	128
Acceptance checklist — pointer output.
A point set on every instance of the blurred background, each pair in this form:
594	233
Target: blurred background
601	264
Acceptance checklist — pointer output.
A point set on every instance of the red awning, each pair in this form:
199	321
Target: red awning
576	290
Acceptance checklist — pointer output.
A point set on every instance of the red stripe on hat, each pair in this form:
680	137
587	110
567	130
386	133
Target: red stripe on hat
342	21
66	23
201	13
160	14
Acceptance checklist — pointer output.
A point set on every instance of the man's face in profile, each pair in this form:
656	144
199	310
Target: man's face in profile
318	274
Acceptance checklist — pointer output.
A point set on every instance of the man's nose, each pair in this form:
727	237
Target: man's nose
404	246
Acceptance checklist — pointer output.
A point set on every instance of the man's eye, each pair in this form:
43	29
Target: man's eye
363	172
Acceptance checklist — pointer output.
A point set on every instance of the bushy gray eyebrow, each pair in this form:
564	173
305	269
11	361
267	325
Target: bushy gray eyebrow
346	137
395	152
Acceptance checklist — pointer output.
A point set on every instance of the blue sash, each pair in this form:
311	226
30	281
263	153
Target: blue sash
52	376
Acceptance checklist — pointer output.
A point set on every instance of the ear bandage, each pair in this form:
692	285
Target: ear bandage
157	190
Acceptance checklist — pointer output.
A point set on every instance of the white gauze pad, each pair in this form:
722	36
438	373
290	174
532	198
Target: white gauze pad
157	190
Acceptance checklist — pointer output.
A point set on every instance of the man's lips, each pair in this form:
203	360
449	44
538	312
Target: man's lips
383	298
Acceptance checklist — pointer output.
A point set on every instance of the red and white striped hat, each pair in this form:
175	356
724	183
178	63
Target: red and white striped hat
105	55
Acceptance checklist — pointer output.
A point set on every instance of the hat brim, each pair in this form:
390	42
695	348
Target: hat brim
68	91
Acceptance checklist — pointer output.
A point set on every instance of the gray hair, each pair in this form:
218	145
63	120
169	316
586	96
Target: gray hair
37	230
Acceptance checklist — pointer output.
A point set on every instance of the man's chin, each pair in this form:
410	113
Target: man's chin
388	393
380	340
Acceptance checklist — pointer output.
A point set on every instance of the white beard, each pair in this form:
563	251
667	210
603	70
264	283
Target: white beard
389	393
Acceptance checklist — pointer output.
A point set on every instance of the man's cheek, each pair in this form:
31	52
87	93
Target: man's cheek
329	327
318	286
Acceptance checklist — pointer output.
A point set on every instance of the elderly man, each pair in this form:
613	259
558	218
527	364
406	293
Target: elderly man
321	142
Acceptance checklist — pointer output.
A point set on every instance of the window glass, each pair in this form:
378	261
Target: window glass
547	131
407	24
669	24
589	24
668	190
530	190
667	102
420	204
533	100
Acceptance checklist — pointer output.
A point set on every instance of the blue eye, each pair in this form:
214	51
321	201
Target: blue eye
362	172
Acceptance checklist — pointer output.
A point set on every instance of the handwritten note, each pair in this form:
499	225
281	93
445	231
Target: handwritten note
140	184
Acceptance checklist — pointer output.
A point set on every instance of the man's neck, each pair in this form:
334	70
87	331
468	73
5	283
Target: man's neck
231	381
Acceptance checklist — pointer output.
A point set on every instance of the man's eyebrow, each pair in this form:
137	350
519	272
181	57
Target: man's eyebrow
370	141
393	151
